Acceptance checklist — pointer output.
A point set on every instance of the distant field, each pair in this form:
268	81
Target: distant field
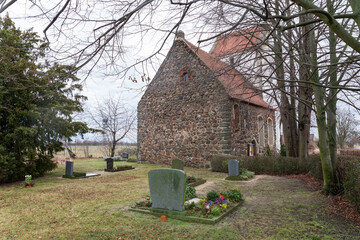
96	151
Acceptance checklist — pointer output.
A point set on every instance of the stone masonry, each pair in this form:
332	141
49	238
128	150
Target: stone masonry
187	113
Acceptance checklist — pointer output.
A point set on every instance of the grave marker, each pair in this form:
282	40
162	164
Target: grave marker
125	155
177	164
109	164
69	169
233	167
167	189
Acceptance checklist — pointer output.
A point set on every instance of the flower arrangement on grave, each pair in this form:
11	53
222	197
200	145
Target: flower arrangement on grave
144	203
214	204
28	181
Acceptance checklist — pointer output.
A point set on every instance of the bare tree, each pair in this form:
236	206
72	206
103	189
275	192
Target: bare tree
315	64
347	127
114	119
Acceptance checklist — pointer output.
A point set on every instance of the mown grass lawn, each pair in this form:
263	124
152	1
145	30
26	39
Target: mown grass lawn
96	208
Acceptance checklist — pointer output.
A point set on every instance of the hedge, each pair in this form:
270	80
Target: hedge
348	169
262	164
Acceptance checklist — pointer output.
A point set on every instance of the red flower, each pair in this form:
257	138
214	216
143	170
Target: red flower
221	197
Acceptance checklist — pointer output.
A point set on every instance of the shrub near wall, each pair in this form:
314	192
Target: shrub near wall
219	162
276	165
349	174
348	169
262	164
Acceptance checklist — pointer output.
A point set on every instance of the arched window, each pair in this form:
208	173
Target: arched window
236	116
270	126
261	132
186	75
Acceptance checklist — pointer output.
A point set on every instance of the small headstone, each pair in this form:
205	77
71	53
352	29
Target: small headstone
177	164
233	167
109	164
167	189
69	169
125	155
116	158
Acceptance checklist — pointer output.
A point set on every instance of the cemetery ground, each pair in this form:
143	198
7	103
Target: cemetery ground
97	208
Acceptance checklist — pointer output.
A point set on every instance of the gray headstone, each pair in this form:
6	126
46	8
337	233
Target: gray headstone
167	189
109	164
69	168
177	164
116	158
125	155
233	167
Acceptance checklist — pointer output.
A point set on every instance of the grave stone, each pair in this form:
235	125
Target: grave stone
233	167
177	164
125	155
69	169
109	164
167	189
116	158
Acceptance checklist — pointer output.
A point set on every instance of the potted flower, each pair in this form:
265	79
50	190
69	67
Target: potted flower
28	181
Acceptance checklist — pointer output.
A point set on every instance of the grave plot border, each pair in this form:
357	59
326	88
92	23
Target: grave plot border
195	184
181	215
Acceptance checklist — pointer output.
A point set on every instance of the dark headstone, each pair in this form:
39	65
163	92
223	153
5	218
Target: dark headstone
233	167
177	164
109	164
125	155
69	169
167	189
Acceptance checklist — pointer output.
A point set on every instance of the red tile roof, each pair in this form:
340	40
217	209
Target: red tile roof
235	84
236	42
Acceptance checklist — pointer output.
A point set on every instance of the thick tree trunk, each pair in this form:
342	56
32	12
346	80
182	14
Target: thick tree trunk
284	102
287	110
294	142
330	182
305	91
332	99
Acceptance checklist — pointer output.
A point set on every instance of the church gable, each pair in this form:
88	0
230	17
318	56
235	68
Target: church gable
190	111
184	112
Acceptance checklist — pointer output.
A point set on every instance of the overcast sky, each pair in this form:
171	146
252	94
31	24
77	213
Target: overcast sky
98	85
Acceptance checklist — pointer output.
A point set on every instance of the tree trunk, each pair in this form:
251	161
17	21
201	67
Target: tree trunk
305	90
332	99
292	107
330	182
284	102
113	145
288	116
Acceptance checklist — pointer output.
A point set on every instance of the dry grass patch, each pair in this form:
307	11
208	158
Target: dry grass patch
95	208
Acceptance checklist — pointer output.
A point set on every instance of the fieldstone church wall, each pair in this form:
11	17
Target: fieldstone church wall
247	130
184	113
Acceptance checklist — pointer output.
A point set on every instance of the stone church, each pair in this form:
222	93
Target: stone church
198	105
